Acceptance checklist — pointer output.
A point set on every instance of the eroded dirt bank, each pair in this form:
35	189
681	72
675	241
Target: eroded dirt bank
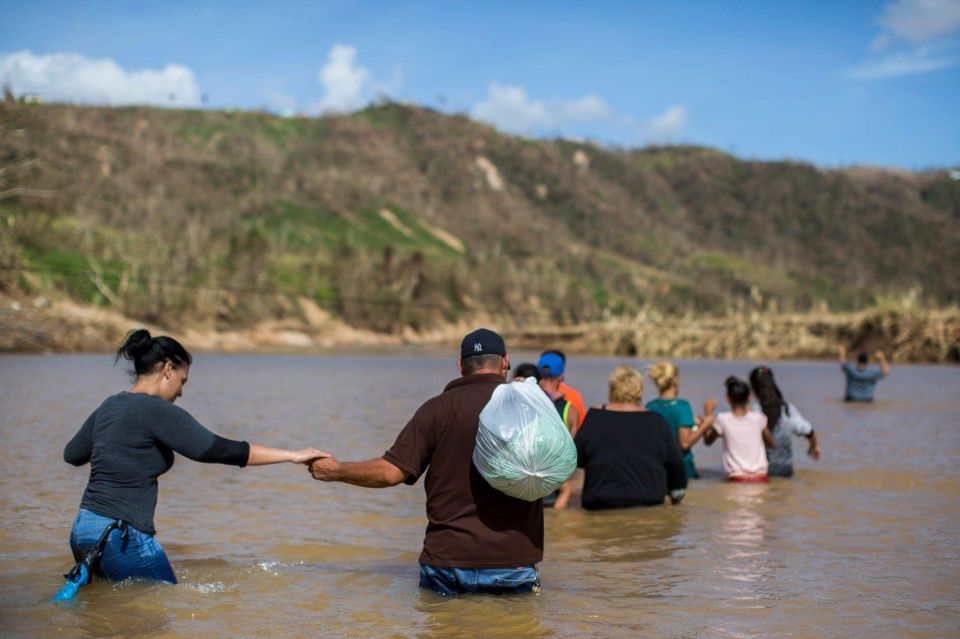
37	324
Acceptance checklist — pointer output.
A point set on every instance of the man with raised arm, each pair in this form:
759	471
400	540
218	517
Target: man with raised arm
478	539
861	378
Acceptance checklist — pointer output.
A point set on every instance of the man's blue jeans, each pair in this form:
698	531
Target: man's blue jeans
138	556
494	581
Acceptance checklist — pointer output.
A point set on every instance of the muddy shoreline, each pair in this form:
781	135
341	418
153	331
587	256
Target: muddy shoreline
41	325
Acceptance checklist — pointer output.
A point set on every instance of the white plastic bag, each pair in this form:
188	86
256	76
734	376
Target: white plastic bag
523	448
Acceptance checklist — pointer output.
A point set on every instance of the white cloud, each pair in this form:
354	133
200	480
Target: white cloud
669	125
917	37
918	21
911	62
71	77
589	108
510	109
345	82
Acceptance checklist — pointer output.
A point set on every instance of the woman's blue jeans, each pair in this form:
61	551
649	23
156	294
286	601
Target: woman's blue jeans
494	581
139	555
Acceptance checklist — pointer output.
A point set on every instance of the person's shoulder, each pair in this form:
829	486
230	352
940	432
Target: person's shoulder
120	398
466	383
160	407
112	404
436	402
570	390
653	417
140	398
664	407
150	409
462	389
138	401
596	413
756	417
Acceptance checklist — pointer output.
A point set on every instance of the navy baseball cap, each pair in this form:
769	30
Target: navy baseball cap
482	341
550	365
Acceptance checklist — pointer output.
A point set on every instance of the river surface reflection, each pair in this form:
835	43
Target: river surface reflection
863	543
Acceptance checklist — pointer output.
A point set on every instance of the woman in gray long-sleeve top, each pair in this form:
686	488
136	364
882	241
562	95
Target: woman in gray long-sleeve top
129	441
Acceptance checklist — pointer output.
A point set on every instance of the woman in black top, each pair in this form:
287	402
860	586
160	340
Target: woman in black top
129	441
630	456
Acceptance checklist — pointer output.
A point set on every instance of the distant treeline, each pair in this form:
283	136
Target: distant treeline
399	217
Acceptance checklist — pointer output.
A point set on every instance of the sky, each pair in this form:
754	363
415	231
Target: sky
835	83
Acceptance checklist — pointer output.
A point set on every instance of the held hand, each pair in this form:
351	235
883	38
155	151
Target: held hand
306	455
324	468
709	406
879	355
813	451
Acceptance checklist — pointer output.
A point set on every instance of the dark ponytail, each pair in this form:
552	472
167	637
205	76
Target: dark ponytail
737	391
768	394
147	353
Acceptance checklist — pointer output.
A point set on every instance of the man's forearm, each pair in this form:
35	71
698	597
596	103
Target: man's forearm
373	473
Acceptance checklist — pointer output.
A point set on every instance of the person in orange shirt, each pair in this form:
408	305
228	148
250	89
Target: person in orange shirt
572	394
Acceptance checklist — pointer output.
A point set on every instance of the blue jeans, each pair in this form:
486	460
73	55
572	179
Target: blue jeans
139	555
494	581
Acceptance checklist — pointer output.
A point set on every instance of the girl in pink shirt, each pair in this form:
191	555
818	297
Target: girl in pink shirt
744	434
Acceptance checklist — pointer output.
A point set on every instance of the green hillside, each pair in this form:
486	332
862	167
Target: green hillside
399	216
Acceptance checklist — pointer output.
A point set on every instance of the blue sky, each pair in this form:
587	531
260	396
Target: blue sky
834	83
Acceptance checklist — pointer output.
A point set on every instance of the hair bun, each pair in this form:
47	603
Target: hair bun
147	352
137	343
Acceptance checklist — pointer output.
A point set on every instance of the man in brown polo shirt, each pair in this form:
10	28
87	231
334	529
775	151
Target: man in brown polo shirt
478	539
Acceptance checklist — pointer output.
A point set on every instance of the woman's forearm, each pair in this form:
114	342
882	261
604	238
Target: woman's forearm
689	437
263	455
704	425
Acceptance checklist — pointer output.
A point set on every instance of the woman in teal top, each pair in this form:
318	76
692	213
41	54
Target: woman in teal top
676	411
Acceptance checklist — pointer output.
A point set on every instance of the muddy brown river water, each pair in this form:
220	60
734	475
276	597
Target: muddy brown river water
863	543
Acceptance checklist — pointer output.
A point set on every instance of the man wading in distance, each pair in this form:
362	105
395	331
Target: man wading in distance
862	379
478	539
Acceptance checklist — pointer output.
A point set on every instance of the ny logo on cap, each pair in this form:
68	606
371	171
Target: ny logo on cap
478	347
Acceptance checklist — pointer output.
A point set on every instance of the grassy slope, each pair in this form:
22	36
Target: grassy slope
215	216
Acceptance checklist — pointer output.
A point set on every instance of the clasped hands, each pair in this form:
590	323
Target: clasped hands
321	464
